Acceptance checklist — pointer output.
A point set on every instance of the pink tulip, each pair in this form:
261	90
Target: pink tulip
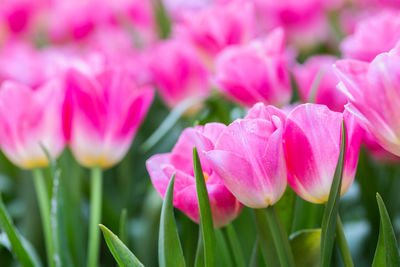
250	159
224	206
304	21
317	74
31	118
214	28
256	72
20	62
102	115
373	90
377	152
363	44
312	141
178	72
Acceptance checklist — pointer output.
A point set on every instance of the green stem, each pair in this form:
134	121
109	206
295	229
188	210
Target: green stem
44	207
234	245
342	243
280	238
95	216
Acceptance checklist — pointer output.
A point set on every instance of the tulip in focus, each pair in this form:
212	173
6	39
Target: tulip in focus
178	72
312	141
224	206
373	35
102	115
256	72
250	159
373	90
30	119
316	79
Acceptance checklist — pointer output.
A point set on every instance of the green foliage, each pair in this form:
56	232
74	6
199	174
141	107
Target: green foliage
332	207
206	223
169	246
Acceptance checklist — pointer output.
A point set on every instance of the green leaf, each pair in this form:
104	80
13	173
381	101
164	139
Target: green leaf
234	245
170	252
265	239
199	259
20	248
121	253
224	254
306	245
387	250
62	256
332	207
206	222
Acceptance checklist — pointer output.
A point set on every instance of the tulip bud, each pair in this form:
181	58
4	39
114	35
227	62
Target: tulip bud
30	119
312	141
316	79
373	90
256	72
102	115
249	158
224	206
178	72
385	24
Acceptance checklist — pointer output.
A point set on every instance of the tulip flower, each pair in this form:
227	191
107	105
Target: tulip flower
178	72
214	28
385	24
30	119
102	115
224	206
316	79
312	141
373	91
256	72
249	157
377	152
305	21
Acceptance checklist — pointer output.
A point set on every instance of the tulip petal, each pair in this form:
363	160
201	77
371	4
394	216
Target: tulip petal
238	177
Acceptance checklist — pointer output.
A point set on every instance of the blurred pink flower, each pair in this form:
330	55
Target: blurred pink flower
364	44
74	19
214	28
20	62
20	15
224	206
31	118
256	72
249	157
102	114
373	90
305	21
377	151
312	147
317	74
178	72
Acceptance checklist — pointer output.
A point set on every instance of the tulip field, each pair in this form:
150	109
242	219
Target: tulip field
213	133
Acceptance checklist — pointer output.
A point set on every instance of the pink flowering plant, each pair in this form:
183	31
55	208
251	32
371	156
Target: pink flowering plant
209	133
